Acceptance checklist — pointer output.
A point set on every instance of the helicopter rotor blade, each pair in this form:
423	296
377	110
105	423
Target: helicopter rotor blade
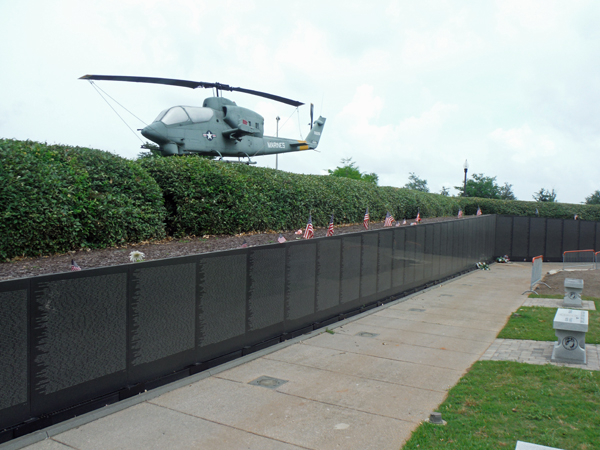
190	84
168	81
277	98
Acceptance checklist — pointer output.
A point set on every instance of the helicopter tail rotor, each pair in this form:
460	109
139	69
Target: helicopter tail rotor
312	109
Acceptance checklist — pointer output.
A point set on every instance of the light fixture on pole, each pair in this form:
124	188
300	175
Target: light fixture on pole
277	135
466	167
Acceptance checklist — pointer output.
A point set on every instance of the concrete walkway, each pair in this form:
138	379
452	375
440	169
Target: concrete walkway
366	386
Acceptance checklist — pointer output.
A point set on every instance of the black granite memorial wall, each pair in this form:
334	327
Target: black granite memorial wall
524	238
75	341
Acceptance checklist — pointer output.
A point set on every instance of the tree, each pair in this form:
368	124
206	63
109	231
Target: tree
480	186
445	191
153	151
350	170
416	184
545	196
506	192
593	199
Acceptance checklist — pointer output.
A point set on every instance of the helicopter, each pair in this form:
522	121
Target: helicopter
219	128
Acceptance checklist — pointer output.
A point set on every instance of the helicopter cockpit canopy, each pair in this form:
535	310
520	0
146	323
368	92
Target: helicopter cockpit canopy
181	114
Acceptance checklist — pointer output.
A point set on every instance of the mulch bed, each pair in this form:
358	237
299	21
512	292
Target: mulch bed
591	282
87	259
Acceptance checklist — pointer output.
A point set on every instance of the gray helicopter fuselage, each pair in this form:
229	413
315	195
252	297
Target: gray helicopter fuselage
220	128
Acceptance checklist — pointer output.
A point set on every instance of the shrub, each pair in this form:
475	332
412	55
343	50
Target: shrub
518	208
212	197
58	198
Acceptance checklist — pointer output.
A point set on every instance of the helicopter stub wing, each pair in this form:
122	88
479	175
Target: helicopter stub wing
240	131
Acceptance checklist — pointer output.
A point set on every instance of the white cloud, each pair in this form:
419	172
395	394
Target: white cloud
406	86
523	146
443	45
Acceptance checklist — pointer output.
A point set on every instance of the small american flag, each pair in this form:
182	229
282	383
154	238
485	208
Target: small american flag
389	219
244	244
281	239
366	219
330	227
460	213
576	217
418	215
74	266
404	222
478	211
537	213
309	232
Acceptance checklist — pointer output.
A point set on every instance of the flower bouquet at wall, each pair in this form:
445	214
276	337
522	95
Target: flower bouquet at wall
502	259
483	266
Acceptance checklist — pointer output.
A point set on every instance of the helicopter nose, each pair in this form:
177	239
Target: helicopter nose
156	132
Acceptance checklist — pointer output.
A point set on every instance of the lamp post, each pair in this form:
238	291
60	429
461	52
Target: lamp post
277	135
466	167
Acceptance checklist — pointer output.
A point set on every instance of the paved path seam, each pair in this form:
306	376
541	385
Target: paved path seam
558	303
390	359
424	332
225	425
342	373
536	352
437	323
383	342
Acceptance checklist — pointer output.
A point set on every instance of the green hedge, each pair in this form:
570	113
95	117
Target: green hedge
519	208
58	198
212	197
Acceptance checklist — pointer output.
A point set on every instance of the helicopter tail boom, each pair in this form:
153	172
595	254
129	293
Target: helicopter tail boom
315	133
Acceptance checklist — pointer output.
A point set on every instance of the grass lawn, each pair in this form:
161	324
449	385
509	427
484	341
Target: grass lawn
535	323
500	402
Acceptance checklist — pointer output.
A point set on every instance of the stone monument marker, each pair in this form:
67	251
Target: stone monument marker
573	290
527	446
570	326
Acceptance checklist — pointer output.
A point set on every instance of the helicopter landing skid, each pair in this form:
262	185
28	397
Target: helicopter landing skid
239	161
244	162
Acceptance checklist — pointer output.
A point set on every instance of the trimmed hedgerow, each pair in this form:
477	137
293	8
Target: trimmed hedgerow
58	198
518	208
211	197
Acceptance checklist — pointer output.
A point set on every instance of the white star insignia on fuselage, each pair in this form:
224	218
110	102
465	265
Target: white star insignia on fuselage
208	135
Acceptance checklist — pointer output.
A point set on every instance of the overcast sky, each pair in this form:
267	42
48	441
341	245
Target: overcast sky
512	86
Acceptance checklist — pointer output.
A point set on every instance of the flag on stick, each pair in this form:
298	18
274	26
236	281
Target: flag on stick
366	219
537	213
281	239
330	227
244	244
309	232
478	211
389	219
460	213
404	222
418	215
74	266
